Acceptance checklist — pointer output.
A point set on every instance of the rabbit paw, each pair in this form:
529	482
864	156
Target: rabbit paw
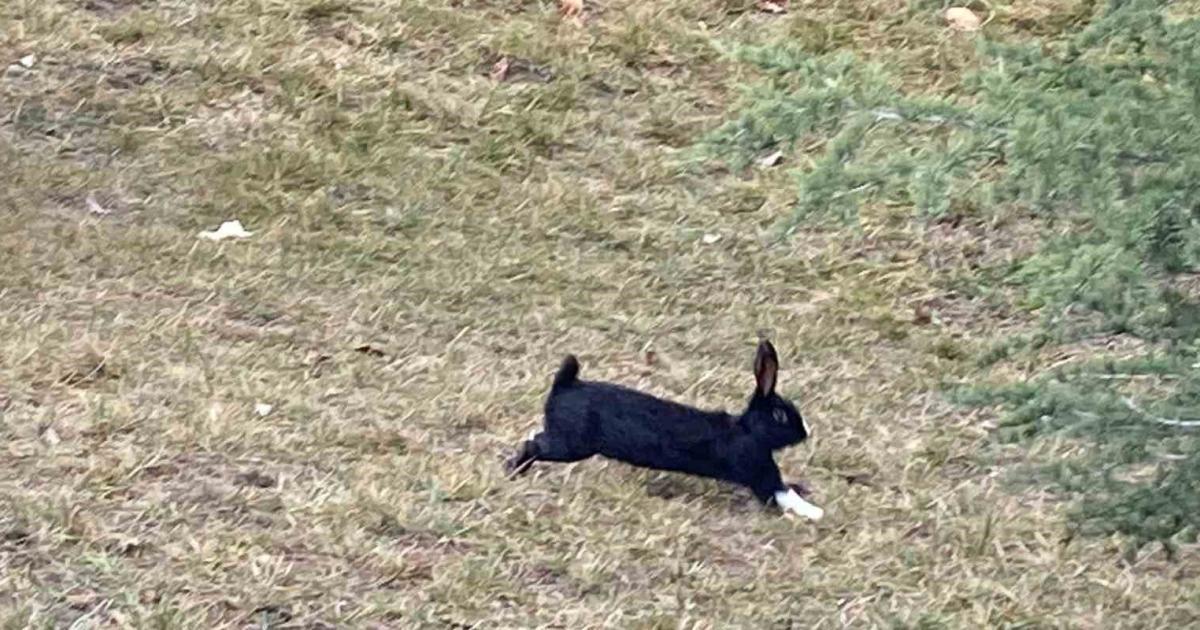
790	501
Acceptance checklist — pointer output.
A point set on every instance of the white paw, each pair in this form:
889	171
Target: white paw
789	500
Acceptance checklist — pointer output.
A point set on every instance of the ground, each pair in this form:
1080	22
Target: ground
445	198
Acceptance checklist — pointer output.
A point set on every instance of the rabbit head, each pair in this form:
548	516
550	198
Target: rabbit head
769	417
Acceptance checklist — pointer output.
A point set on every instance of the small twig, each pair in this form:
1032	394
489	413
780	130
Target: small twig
1116	377
1171	422
894	115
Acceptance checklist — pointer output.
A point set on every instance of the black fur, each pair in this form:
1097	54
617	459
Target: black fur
585	418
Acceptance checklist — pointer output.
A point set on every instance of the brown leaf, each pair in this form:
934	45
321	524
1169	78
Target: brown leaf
572	9
771	6
922	315
500	70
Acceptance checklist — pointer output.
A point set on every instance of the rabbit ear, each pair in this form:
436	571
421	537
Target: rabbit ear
766	368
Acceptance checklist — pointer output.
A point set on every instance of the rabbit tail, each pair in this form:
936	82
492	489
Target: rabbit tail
568	373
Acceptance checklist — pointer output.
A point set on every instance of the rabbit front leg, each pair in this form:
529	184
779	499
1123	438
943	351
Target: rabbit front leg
769	486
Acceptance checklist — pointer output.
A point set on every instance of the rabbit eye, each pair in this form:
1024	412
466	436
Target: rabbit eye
780	416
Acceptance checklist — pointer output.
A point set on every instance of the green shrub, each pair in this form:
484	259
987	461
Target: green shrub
1097	136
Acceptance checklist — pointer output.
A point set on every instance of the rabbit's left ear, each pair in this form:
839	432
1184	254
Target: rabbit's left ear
766	368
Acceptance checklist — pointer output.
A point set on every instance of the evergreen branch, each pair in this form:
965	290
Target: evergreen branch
1170	422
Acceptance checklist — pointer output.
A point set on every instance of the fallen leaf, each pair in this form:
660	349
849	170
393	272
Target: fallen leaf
228	229
771	160
95	208
962	19
771	6
262	409
572	9
500	69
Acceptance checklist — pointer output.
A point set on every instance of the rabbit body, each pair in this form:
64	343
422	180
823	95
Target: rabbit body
587	418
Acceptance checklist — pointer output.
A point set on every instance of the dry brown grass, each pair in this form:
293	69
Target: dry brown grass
428	243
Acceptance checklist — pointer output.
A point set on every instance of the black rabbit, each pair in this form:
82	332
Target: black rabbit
585	418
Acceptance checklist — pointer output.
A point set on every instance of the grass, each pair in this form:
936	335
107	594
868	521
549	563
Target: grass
427	243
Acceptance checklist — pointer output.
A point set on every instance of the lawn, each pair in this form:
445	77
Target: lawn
305	427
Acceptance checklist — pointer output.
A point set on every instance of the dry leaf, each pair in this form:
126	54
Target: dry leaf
95	208
962	18
228	229
771	160
771	6
500	69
